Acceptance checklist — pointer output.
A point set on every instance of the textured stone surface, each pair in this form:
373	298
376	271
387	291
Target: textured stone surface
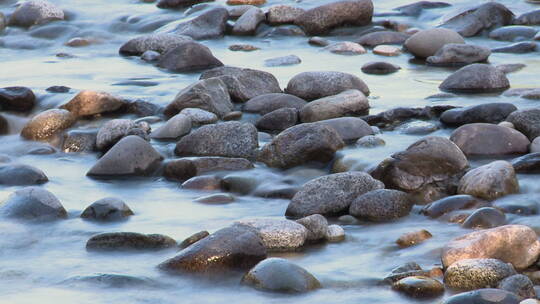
121	241
478	19
177	126
346	103
317	226
267	103
419	287
381	205
47	124
315	85
17	99
189	56
208	25
526	121
161	43
116	129
494	113
248	22
35	12
484	296
278	234
490	181
348	128
88	103
470	274
489	139
457	54
32	203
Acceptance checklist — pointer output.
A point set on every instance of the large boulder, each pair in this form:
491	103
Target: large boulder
132	155
160	42
266	103
476	78
280	275
490	181
17	99
315	85
189	56
481	18
228	139
381	205
331	194
526	121
470	274
301	144
428	42
350	102
232	248
244	84
32	203
515	244
321	19
458	54
489	139
47	124
278	234
21	175
492	113
120	241
88	103
35	12
208	25
207	94
429	169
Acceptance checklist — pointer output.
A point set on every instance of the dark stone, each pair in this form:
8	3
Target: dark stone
17	99
416	8
382	37
476	78
492	113
458	54
179	170
160	43
179	3
484	296
513	33
315	85
194	239
189	56
520	285
380	68
232	248
529	18
107	209
517	48
21	175
4	125
122	241
381	205
266	103
529	163
527	122
35	13
58	89
208	25
483	218
449	204
206	182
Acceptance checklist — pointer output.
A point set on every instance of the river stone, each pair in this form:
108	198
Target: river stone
215	199
517	48
419	287
282	61
489	139
246	2
380	68
266	103
189	56
47	124
513	33
428	42
321	19
107	209
331	194
132	155
370	141
449	204
160	42
120	241
519	284
458	54
4	125
177	126
207	94
183	169
199	116
179	3
381	205
470	274
348	128
280	275
278	120
515	244
244	84
413	238
283	14
350	102
88	103
490	181
335	234
492	113
483	218
529	163
209	25
483	17
529	18
32	203
232	248
20	99
278	235
21	175
476	78
249	21
315	85
429	169
526	121
35	12
382	38
205	182
193	239
301	144
484	296
387	50
416	8
317	226
79	141
346	48
228	139
116	129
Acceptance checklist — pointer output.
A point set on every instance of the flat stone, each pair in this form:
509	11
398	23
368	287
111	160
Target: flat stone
315	85
122	241
381	205
47	124
188	56
346	103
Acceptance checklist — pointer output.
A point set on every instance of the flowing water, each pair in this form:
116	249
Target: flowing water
39	261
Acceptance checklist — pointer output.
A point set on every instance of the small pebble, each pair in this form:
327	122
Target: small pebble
335	234
387	50
413	238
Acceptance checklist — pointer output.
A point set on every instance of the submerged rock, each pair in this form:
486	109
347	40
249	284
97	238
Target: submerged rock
280	275
413	238
107	209
380	68
529	163
21	175
470	274
47	124
519	284
449	204
476	78
32	203
279	235
114	241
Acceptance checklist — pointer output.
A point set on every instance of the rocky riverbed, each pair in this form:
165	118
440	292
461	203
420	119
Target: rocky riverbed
266	151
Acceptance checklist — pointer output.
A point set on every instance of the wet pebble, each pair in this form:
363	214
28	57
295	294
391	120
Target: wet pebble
205	182
483	296
419	287
380	68
124	241
194	239
21	175
519	284
335	234
381	205
470	274
282	61
346	48
243	47
370	141
490	181
47	124
215	199
486	217
33	203
17	99
413	238
387	50
107	209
